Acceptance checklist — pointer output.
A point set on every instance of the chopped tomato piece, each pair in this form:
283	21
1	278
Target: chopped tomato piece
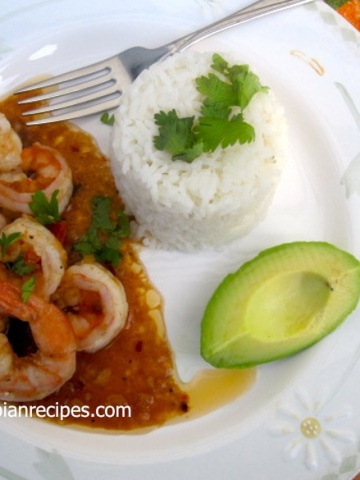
59	230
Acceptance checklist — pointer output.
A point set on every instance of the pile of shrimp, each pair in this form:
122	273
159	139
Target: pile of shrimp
69	308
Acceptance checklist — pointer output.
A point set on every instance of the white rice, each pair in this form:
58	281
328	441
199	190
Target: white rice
216	198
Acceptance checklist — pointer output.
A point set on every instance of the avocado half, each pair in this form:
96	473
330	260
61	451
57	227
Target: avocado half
281	302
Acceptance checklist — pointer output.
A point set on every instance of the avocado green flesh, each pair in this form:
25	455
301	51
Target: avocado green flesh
281	302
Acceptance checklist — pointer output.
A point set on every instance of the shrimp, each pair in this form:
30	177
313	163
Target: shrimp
10	145
24	171
95	303
39	374
3	221
39	251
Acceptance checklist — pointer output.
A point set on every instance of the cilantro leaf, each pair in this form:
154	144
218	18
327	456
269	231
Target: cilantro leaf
20	267
7	240
219	131
103	238
107	119
27	289
220	64
110	251
191	153
227	92
217	90
101	213
175	134
45	211
214	109
247	85
244	83
122	228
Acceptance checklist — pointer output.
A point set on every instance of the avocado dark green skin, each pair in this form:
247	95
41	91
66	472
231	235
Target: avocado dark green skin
284	300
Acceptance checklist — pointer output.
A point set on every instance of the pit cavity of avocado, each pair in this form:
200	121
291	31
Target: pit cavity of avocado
286	305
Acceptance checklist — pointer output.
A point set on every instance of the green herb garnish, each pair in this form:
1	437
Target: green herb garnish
226	94
107	119
27	289
103	238
223	132
176	136
45	211
20	267
7	240
243	84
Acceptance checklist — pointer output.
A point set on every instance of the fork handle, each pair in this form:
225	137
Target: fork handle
254	10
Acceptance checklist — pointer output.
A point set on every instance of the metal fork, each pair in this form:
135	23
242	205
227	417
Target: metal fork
98	87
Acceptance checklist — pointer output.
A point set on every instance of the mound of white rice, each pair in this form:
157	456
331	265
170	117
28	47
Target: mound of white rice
220	195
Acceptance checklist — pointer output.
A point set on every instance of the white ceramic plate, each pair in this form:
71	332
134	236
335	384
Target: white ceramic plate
310	57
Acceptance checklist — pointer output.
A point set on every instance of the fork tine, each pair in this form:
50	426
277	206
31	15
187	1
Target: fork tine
100	68
79	112
77	87
73	102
